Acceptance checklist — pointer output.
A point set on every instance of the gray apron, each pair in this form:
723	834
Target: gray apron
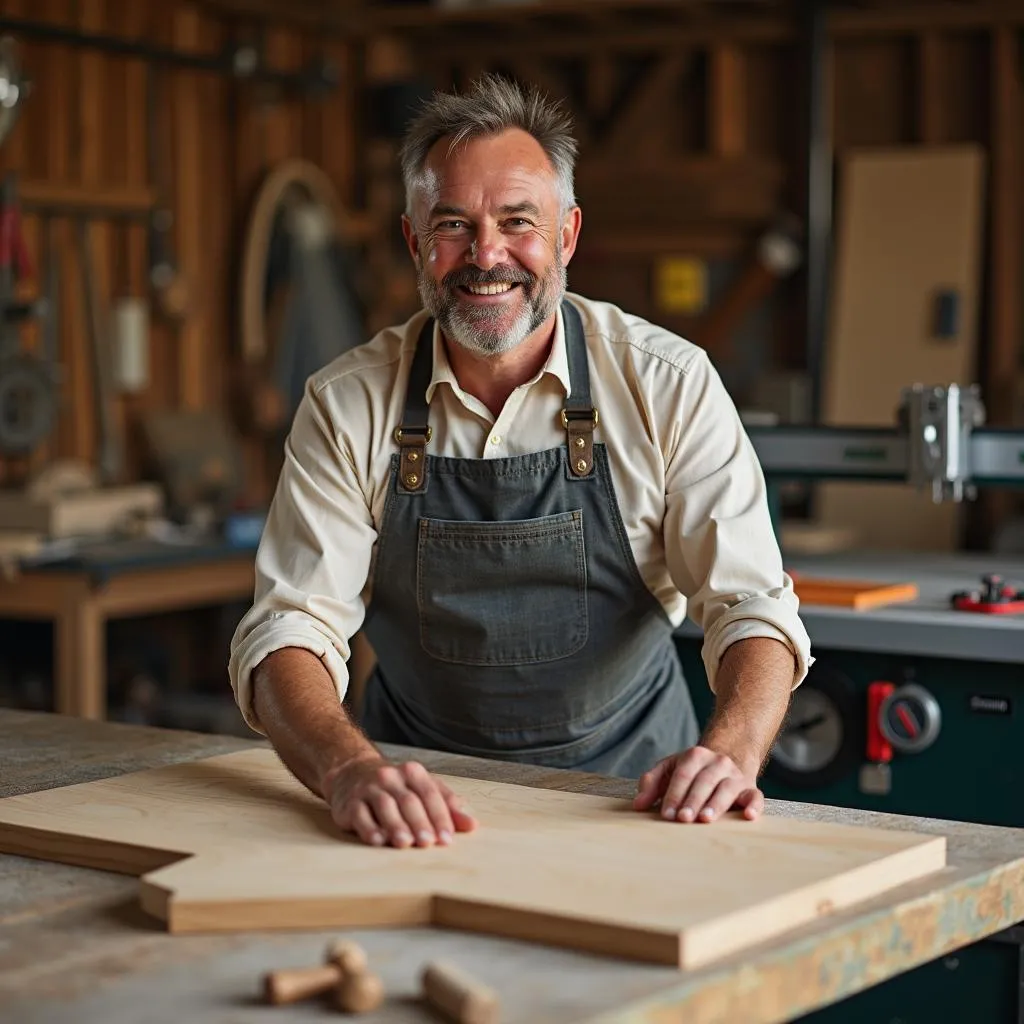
508	615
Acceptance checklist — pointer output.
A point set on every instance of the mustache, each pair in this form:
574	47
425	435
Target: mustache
496	275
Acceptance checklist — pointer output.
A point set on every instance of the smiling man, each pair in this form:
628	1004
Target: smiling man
518	495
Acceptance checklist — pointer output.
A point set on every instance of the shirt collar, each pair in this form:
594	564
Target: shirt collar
557	363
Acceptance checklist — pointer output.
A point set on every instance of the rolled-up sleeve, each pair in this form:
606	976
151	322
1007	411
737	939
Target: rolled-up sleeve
313	559
721	548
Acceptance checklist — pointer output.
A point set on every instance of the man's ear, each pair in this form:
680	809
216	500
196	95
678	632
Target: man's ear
412	240
570	233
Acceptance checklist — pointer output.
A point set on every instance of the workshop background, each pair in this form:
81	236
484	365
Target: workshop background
201	206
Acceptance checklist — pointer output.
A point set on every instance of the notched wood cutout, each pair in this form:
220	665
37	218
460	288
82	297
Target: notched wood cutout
234	843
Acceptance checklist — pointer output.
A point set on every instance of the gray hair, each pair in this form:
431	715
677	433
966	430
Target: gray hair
492	105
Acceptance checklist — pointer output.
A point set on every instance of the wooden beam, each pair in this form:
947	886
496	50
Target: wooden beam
102	200
189	212
727	101
635	129
1003	361
679	191
930	115
696	22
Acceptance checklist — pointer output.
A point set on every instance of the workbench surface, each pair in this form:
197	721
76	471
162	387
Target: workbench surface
927	626
75	947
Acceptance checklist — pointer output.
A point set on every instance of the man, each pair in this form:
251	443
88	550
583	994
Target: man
517	495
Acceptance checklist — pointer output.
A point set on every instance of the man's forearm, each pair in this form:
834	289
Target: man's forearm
297	704
753	686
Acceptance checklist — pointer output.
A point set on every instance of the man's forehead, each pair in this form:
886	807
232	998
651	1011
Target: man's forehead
491	176
512	152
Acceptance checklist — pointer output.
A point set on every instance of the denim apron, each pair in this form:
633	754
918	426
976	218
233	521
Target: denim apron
508	615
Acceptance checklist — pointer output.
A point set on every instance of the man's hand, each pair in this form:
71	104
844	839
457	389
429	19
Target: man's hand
755	678
403	805
699	785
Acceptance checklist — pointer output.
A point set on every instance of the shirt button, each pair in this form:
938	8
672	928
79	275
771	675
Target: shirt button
495	439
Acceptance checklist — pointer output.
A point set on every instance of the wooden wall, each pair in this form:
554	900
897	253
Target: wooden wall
691	142
693	134
84	130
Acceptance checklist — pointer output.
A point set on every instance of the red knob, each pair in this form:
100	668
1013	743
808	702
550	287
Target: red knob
878	747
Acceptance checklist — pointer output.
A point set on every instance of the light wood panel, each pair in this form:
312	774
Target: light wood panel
858	595
560	868
910	227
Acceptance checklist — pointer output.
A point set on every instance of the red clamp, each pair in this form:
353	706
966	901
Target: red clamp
994	597
878	747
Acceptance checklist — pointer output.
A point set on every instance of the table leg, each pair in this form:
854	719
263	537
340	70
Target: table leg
80	658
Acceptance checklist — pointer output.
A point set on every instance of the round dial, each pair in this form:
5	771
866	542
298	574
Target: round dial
819	740
813	734
910	718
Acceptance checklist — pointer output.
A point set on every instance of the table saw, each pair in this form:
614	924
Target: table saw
913	707
75	945
960	675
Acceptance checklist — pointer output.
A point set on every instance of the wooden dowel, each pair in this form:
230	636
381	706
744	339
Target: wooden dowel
459	996
342	959
348	955
359	992
291	986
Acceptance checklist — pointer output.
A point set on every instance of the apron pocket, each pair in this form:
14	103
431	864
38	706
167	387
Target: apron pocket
506	593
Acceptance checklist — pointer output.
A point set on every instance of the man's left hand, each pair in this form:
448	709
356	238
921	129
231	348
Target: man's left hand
699	785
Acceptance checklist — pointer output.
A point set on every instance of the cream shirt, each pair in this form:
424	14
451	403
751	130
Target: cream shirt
689	486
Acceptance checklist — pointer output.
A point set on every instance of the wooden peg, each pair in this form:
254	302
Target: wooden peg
348	955
459	996
359	992
290	986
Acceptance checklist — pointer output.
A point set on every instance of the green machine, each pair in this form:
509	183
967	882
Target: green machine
914	708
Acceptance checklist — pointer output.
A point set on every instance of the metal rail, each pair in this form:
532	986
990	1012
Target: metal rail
241	61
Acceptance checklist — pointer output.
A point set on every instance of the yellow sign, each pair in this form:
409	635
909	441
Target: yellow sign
680	284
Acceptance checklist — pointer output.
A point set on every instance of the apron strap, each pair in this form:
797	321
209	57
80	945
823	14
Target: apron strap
414	434
579	417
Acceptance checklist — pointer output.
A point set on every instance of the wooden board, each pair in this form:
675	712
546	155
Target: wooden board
567	869
851	593
910	226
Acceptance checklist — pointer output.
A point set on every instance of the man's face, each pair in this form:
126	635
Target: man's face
489	244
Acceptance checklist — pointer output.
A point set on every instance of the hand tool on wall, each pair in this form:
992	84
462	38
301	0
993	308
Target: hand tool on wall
28	382
111	447
777	255
298	302
14	86
170	289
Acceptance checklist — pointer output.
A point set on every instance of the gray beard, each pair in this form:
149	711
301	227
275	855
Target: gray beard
478	330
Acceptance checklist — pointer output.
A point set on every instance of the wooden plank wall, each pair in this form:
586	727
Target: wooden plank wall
709	150
691	141
84	127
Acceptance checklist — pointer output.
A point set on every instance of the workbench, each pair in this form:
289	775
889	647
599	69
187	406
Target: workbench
75	947
118	579
927	625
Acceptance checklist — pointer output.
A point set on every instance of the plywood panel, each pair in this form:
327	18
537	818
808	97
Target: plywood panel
910	225
561	868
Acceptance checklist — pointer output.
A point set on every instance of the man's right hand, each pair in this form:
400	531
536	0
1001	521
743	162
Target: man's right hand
397	804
